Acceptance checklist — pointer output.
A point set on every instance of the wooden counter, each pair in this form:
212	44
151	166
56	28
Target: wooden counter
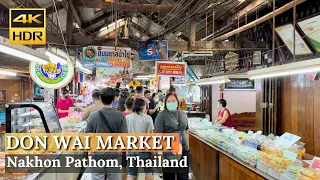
209	162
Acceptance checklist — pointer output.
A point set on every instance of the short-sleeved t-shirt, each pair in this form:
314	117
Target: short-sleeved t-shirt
64	104
142	97
139	123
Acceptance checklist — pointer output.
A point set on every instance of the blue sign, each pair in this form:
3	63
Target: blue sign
153	50
2	117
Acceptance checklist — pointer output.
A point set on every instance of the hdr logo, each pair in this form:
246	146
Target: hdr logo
27	26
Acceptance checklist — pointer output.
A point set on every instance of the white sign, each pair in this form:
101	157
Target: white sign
286	34
311	28
52	75
287	139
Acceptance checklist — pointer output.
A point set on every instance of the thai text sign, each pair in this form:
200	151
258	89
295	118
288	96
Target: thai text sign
106	56
171	69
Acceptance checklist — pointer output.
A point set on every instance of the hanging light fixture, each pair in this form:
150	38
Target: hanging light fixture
22	51
213	80
301	67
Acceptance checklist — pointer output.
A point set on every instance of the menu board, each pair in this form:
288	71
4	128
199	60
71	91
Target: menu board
311	28
239	84
286	34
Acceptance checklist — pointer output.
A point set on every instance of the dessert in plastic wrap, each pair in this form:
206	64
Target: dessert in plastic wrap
308	174
292	172
276	163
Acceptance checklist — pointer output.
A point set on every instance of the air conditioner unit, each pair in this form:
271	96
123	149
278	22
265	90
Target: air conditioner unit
196	53
308	66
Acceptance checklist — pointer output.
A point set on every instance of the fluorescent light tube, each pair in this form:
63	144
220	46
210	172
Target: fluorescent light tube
7	73
22	51
301	67
286	73
21	54
55	58
213	80
141	78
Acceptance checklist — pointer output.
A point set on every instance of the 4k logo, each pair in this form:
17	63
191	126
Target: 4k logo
28	26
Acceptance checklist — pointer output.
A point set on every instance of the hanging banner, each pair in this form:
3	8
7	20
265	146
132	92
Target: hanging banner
311	28
52	75
171	69
286	34
256	58
153	50
110	76
106	56
231	61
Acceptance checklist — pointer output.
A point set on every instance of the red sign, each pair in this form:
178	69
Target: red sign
171	69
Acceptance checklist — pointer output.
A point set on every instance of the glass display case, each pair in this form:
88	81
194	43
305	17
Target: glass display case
32	117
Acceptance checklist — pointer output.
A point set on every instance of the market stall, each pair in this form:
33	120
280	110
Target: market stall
230	154
40	117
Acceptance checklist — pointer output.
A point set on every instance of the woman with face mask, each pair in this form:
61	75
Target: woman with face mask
154	106
173	120
224	116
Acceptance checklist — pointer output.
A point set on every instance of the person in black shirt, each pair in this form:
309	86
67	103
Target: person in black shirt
154	106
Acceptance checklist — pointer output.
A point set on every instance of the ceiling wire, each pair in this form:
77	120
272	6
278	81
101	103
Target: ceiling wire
59	24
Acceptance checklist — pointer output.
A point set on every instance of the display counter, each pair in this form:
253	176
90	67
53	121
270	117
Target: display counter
209	162
41	117
219	152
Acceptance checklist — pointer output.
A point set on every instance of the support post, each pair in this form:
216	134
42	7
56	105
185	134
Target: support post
69	24
193	30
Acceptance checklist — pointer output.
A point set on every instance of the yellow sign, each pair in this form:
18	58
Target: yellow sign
27	26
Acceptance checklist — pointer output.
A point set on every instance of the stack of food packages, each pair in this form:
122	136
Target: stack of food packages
277	163
71	123
272	147
308	174
245	147
292	172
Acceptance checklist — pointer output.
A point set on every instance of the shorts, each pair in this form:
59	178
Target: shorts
133	170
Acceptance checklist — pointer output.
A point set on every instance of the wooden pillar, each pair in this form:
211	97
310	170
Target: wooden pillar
193	30
69	24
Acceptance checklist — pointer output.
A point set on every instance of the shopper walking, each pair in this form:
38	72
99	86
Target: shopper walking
173	120
115	103
147	94
128	105
224	116
64	103
154	106
123	96
161	96
97	104
138	122
106	120
139	94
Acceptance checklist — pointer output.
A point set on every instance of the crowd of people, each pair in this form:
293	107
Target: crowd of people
137	111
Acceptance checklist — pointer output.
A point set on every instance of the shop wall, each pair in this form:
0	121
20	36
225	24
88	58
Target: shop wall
13	88
237	101
300	104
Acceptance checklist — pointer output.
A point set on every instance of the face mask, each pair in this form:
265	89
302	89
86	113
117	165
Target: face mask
172	106
156	99
66	97
218	106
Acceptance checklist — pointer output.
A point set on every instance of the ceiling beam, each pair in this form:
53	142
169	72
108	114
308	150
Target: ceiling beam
247	9
260	20
124	6
51	9
104	16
